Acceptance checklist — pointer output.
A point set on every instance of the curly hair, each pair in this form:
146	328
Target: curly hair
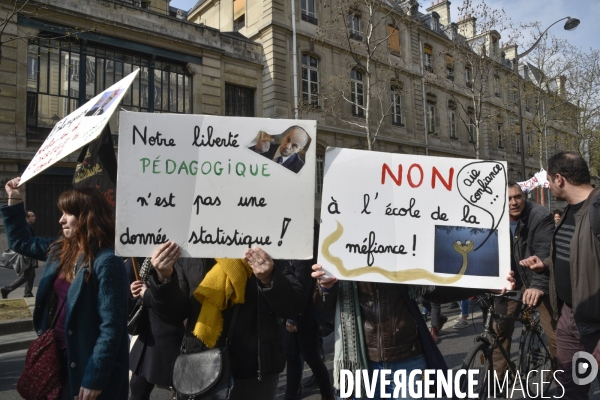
95	230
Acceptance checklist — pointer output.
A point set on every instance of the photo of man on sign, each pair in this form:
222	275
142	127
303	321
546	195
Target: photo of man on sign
286	149
103	104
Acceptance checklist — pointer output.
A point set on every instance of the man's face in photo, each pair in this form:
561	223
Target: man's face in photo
293	142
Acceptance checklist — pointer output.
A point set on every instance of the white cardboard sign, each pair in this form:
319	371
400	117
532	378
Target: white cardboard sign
215	185
414	219
78	128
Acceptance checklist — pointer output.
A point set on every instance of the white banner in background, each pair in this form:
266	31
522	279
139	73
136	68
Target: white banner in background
215	185
78	128
414	219
540	179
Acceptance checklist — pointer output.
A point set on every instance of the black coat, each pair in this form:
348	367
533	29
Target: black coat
533	236
256	329
303	270
156	348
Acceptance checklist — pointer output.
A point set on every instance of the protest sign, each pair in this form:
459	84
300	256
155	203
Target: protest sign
215	185
414	219
78	128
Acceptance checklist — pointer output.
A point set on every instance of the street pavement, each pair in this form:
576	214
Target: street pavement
454	345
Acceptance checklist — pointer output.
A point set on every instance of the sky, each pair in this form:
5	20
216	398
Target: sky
527	11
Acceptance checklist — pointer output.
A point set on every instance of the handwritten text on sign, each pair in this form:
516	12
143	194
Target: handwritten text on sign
423	220
215	185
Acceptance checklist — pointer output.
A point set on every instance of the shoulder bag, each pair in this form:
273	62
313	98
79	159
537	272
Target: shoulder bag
205	374
138	319
41	378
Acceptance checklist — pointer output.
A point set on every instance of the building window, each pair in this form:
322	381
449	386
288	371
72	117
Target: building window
357	93
452	121
60	78
396	106
513	95
393	40
469	76
471	128
239	14
319	172
428	58
310	80
239	101
497	85
431	117
354	26
499	132
526	103
449	67
239	23
435	23
308	11
169	87
528	138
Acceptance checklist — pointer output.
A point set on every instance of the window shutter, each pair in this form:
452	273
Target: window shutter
239	8
427	49
449	61
393	39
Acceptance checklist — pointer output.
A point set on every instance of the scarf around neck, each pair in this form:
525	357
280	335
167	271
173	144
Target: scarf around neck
223	285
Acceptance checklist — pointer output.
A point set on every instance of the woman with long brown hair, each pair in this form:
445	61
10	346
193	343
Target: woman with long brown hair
85	285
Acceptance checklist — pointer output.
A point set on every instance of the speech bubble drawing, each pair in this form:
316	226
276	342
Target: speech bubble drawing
483	185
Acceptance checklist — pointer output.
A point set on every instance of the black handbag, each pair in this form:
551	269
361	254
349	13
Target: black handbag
138	320
205	374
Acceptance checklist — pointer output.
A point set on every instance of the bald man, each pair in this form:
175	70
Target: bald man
285	153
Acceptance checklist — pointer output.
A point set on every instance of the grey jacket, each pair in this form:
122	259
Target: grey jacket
585	271
533	236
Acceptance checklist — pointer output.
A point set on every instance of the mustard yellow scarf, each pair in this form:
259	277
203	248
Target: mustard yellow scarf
223	285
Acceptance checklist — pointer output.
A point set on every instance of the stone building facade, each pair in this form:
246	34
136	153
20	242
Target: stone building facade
424	61
56	55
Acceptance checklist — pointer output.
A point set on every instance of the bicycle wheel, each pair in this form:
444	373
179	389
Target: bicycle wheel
536	363
479	359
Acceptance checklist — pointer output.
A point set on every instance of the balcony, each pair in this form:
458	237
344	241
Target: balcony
239	25
354	35
309	19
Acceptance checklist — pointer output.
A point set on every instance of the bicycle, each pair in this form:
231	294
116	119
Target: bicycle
534	364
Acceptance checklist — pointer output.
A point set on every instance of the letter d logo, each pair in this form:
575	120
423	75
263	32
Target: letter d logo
581	367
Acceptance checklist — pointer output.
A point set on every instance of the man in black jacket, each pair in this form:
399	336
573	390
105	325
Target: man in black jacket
574	269
532	226
256	348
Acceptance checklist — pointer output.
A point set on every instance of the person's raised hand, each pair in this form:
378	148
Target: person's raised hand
15	193
164	258
534	263
512	283
324	280
264	143
261	263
